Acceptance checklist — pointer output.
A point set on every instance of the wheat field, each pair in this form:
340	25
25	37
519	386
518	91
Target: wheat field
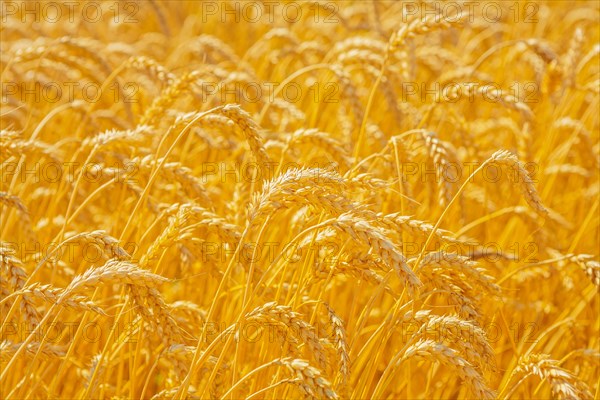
300	199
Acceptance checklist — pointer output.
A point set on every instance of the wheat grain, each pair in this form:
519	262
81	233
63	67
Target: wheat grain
429	349
523	179
114	271
311	382
361	231
341	344
293	321
13	267
53	295
564	385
